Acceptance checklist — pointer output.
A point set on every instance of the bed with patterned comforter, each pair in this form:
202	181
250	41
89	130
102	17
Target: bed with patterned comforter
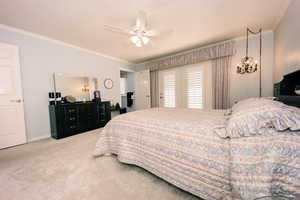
266	166
178	145
181	147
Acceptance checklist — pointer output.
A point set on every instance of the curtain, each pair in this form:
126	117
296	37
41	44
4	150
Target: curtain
216	51
220	54
221	82
154	88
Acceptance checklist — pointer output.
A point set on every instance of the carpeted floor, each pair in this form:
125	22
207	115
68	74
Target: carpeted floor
65	170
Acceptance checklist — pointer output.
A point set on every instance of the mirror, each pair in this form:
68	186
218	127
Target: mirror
80	87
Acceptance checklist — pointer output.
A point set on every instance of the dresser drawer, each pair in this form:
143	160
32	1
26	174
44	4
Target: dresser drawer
71	127
71	119
71	110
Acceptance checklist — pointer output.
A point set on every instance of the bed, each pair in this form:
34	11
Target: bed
193	150
177	145
266	166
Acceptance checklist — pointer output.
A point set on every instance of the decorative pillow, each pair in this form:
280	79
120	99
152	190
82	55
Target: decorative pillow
258	116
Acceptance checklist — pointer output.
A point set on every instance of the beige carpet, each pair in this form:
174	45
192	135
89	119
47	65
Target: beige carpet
65	170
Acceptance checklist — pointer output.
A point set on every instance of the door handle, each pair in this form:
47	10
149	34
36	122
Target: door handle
16	101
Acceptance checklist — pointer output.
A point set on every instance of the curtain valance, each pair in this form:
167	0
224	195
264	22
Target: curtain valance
192	57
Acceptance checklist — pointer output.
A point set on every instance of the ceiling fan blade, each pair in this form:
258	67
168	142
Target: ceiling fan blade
152	33
141	21
118	30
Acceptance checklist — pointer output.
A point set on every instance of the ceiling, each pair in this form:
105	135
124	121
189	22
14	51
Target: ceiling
196	22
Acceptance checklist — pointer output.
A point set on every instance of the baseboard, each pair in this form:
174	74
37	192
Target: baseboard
38	138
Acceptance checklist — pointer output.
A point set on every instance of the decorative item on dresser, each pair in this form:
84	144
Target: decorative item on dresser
286	90
73	118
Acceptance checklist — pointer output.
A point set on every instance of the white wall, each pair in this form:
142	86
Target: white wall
247	85
39	59
287	42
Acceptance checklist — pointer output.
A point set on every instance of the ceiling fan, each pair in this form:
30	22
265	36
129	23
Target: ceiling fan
139	34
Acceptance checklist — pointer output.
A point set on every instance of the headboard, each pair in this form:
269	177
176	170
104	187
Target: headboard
285	89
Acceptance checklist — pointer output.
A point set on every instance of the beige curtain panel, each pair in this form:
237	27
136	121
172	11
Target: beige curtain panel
221	82
154	88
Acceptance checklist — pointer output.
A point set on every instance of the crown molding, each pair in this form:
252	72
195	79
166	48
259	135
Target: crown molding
38	36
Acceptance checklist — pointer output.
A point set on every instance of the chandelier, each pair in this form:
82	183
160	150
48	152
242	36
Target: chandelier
249	64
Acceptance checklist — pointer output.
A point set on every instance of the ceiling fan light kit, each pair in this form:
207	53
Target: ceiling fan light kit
139	41
139	34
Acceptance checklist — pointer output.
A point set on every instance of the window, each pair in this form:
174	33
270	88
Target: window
188	86
194	87
169	90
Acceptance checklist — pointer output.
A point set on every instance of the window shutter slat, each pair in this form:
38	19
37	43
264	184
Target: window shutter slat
194	93
169	90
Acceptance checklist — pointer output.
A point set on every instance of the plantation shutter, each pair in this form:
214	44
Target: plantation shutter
169	90
194	87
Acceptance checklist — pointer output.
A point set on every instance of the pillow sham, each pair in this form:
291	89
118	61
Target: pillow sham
258	116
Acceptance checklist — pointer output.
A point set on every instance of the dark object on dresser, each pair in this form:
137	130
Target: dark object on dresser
284	91
129	99
97	96
73	118
123	110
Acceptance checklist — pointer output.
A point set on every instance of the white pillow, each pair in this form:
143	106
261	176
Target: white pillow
258	116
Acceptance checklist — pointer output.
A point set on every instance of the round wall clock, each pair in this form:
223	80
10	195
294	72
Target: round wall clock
108	83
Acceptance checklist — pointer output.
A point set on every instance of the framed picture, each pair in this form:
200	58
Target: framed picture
108	83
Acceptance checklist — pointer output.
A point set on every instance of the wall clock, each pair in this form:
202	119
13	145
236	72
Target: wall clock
108	83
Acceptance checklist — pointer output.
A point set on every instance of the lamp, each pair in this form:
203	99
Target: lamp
85	88
248	64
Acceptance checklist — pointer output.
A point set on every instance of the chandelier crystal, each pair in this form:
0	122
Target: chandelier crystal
247	65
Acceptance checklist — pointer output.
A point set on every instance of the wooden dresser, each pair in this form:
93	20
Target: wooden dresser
73	118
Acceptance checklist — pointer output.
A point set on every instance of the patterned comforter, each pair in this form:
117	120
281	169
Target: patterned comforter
266	166
180	146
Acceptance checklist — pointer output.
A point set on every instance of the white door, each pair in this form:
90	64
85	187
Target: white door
12	124
142	90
